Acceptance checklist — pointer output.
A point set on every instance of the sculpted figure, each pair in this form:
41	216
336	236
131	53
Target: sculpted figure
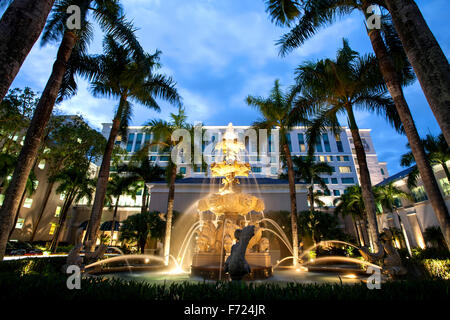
236	265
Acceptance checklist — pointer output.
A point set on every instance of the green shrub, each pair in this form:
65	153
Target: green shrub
33	266
437	268
53	287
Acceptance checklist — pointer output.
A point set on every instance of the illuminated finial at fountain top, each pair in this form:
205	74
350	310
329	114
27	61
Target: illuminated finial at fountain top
230	146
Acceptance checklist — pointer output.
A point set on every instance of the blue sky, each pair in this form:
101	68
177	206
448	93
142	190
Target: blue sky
220	51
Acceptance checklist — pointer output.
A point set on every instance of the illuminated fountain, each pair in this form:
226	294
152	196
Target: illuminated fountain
222	213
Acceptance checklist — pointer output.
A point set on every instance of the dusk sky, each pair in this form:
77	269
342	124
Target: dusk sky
220	51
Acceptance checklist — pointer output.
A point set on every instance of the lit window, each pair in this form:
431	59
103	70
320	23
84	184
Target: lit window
57	211
41	165
301	142
329	158
28	202
345	169
62	196
52	228
20	222
419	194
2	198
322	158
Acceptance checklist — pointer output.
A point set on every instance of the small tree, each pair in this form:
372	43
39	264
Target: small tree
140	227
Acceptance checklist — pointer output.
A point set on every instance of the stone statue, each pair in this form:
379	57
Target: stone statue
391	260
236	265
225	230
73	259
207	237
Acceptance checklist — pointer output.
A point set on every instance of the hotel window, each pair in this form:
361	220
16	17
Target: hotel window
345	169
153	158
183	170
322	159
445	186
20	222
274	170
329	158
52	228
326	142
334	181
41	165
318	145
339	143
256	169
419	194
288	139
147	138
269	142
325	180
382	171
198	169
326	192
130	142
28	202
57	211
301	142
336	193
137	147
333	169
348	180
346	158
164	158
366	145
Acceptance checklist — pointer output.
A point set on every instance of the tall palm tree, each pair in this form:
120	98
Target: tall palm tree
21	25
109	15
279	111
438	153
127	77
75	183
162	136
393	64
309	171
427	58
120	185
348	83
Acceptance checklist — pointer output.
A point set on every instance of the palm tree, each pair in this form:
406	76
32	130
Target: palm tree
75	183
309	171
162	136
279	111
394	68
19	33
127	77
141	166
438	153
109	15
120	185
349	83
427	58
141	226
351	203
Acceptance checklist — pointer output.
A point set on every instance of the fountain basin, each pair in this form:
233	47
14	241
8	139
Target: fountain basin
231	203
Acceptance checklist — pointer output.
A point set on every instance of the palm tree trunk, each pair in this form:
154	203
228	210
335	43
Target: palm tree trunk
426	171
62	221
366	184
20	27
114	220
311	198
144	199
33	139
427	58
48	191
293	199
171	197
16	216
100	193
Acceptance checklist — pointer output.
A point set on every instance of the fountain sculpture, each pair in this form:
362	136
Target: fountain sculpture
226	211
